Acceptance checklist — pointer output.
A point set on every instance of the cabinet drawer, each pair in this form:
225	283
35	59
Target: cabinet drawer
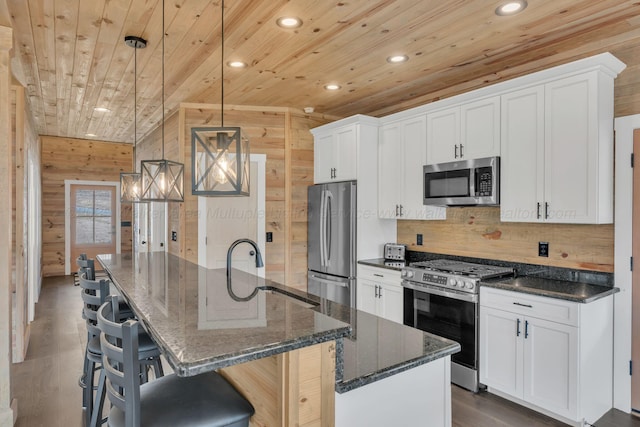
379	274
551	309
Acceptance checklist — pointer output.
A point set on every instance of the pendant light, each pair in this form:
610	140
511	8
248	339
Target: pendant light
131	182
219	155
162	180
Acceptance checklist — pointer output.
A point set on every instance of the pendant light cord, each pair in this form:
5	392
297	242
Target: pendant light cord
163	31
135	103
222	66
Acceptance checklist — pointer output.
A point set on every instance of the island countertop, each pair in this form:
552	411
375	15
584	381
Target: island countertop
199	327
373	348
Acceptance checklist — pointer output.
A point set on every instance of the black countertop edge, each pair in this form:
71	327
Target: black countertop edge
346	386
583	293
383	263
262	352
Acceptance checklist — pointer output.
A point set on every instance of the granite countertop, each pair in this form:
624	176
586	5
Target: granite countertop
384	263
552	288
189	313
199	327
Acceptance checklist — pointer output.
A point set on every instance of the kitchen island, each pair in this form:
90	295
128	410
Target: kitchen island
297	358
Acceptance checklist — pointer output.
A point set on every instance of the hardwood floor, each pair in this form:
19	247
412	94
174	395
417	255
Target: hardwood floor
46	383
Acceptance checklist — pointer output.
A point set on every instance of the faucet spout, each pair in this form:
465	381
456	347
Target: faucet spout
259	263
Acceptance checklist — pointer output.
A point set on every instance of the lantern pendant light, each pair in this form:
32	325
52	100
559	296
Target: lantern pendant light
131	182
162	180
219	155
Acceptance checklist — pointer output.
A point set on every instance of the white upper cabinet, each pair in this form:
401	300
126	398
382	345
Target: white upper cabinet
335	154
402	152
466	131
557	151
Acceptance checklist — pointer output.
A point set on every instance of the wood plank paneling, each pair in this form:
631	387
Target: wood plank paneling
478	232
75	159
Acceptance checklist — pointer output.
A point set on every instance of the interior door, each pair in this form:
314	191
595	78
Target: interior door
92	220
635	277
141	232
227	219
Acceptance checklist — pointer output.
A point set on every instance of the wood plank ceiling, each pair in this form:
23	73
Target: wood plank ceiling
71	55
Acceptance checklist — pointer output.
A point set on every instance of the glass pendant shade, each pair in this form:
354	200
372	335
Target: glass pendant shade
130	187
220	162
162	181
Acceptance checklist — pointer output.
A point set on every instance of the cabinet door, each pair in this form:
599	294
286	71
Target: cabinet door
571	149
522	156
323	163
551	366
389	147
443	135
346	153
391	302
501	350
480	128
413	158
366	296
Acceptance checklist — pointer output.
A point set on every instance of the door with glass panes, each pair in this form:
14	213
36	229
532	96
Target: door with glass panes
93	220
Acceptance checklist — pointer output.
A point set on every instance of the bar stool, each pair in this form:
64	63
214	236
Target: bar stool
94	294
202	400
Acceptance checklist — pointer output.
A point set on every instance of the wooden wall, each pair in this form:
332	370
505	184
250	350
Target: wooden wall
280	133
75	159
478	232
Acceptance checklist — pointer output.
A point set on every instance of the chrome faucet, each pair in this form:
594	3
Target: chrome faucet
259	264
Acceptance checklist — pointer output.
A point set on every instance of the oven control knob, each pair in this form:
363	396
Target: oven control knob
460	284
468	285
408	274
452	282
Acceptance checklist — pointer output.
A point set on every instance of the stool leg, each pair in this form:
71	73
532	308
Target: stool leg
96	415
88	390
83	379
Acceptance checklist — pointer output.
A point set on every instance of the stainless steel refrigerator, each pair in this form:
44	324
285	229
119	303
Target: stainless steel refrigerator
332	241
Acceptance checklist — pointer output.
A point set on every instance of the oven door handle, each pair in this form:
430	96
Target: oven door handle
461	296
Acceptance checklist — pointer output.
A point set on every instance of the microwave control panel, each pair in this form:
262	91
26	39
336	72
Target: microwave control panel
484	181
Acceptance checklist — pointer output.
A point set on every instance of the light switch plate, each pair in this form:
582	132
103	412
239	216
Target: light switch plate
543	249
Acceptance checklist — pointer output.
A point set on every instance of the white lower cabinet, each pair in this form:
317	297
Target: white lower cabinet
552	355
379	292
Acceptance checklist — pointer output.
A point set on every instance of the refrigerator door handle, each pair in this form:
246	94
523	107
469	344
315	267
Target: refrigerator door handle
328	282
322	224
328	226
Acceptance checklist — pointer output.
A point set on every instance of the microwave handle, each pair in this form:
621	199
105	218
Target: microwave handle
472	182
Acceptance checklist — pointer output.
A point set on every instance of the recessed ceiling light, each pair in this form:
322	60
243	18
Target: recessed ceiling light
101	109
511	7
332	86
289	22
90	135
397	59
236	64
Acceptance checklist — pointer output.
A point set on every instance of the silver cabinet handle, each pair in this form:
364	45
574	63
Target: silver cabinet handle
397	214
379	291
401	214
526	329
461	146
455	153
518	328
546	210
538	210
376	291
378	275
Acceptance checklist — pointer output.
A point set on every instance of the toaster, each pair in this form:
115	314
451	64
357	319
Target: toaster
394	251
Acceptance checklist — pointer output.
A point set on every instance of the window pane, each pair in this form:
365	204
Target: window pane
84	203
103	203
103	230
84	230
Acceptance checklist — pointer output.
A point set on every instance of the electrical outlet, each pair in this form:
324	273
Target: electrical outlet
269	236
543	249
174	236
419	239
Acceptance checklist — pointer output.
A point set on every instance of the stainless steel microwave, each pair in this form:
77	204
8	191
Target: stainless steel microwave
463	183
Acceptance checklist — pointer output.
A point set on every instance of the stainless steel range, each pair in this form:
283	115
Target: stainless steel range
441	297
